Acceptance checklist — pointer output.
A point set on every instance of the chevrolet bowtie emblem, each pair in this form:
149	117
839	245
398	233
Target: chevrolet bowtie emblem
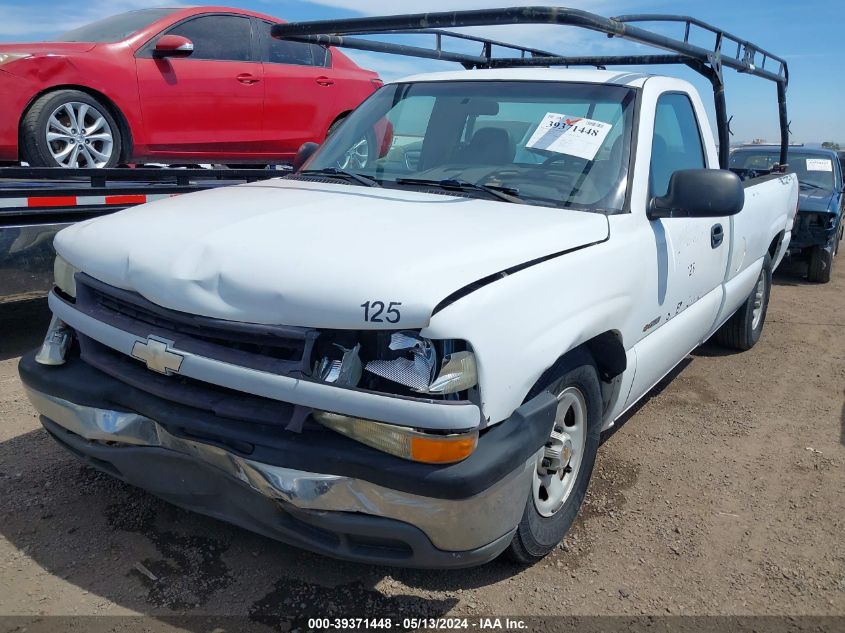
158	355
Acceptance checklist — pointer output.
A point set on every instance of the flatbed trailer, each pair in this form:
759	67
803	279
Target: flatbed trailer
36	203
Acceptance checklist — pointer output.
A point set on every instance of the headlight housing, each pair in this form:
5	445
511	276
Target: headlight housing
412	361
64	276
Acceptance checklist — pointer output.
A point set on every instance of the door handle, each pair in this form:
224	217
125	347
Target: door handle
717	235
324	81
248	79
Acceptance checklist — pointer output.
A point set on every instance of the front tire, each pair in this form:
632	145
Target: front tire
564	467
744	328
821	265
71	129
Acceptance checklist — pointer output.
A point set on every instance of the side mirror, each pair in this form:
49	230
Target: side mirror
173	46
700	193
306	150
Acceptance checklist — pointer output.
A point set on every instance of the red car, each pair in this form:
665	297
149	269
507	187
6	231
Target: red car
172	85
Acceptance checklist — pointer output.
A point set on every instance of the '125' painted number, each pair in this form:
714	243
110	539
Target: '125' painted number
373	311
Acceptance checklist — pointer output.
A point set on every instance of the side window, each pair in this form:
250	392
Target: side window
218	37
286	52
677	141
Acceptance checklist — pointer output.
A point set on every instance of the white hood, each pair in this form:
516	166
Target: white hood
305	253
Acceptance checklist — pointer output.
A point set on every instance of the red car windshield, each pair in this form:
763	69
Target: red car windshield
116	27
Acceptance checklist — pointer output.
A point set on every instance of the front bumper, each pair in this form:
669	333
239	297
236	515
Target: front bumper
398	513
813	229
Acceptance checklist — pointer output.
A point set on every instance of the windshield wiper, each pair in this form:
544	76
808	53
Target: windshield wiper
342	173
809	184
508	194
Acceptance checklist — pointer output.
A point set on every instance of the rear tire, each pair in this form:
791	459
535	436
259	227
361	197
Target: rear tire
556	494
821	265
52	134
744	328
334	126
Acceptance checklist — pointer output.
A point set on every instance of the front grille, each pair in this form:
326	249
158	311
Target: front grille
219	401
279	349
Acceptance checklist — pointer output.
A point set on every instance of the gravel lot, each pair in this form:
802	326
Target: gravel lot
723	493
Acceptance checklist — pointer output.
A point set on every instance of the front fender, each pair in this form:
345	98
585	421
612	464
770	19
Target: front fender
520	325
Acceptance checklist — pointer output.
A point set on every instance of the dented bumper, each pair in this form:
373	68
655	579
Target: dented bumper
316	489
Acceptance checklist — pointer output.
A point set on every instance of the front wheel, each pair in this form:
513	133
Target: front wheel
72	129
566	462
821	265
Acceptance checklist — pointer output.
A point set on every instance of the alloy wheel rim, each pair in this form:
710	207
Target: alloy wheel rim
759	300
78	135
357	157
559	463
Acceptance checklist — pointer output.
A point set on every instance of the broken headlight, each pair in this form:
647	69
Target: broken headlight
413	362
403	359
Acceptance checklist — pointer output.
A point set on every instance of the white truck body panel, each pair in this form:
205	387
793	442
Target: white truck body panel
308	253
657	285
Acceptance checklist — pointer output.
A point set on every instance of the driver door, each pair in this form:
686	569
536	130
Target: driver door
209	103
693	251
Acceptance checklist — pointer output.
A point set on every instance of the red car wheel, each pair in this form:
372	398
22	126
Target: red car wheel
71	129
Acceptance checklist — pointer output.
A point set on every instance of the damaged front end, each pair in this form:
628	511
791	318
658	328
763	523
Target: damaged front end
813	228
400	363
365	445
396	391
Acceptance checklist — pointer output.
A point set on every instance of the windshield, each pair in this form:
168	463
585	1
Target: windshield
546	143
813	170
116	27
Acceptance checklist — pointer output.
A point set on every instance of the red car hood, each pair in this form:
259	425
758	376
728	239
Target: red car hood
48	48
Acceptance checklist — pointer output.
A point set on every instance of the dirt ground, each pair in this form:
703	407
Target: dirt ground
723	493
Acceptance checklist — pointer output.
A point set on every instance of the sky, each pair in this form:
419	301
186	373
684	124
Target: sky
807	34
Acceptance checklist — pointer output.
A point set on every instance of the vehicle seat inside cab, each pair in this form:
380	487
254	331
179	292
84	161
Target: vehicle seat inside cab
489	146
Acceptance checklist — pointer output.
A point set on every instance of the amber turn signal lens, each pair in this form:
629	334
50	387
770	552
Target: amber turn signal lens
446	450
401	441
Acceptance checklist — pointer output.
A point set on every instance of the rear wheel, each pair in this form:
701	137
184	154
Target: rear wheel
565	465
744	328
821	265
72	129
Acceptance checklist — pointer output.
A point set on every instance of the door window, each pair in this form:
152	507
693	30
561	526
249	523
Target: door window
218	37
677	141
287	52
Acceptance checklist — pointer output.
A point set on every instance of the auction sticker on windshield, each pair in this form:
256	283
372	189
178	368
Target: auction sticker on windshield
570	135
819	164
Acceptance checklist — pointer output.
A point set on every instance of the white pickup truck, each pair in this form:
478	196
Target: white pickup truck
409	356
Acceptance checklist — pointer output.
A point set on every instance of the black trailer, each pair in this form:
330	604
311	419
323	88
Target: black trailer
35	203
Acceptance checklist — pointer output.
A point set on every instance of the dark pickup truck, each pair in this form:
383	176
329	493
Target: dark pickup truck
818	225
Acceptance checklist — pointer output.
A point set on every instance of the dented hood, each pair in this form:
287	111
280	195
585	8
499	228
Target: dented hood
815	201
304	253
